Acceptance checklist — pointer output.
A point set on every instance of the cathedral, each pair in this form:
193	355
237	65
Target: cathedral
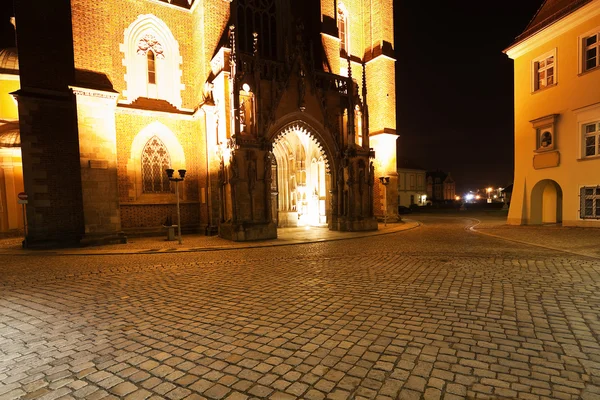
272	113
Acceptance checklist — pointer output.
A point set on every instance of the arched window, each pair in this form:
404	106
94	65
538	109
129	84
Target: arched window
152	60
151	68
343	30
155	160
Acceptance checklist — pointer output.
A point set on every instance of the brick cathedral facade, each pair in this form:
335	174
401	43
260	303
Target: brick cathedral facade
281	112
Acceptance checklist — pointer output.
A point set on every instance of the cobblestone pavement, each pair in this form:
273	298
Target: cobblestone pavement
434	312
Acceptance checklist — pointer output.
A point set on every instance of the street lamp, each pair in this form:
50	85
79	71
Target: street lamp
385	180
177	180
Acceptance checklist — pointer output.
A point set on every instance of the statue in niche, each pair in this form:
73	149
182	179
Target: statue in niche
371	174
233	167
301	90
243	116
268	167
350	174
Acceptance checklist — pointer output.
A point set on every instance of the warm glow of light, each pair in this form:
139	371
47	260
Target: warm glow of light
477	197
495	196
489	189
457	198
246	88
384	145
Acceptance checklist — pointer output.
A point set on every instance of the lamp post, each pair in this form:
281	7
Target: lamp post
385	180
177	180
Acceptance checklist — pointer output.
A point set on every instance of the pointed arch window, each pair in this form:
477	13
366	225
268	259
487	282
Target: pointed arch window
262	17
151	68
155	160
343	30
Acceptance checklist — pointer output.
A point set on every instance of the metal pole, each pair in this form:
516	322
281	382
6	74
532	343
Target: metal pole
24	224
384	205
178	215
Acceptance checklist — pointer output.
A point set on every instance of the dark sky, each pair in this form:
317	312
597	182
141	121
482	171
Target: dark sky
454	84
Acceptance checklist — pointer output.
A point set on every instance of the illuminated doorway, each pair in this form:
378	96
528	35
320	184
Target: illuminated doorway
302	180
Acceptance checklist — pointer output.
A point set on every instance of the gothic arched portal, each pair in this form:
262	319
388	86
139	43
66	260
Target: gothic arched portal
303	181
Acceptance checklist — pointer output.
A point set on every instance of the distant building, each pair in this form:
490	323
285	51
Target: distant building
411	184
440	186
557	116
507	193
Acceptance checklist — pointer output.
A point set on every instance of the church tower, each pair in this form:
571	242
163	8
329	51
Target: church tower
281	112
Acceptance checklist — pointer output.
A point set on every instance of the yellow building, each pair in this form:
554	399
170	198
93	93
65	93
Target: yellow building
557	116
11	168
282	113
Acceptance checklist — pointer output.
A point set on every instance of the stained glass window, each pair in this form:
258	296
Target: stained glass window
155	160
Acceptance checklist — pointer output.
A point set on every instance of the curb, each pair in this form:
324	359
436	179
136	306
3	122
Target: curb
472	228
411	224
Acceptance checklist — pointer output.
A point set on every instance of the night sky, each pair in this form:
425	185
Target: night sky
454	84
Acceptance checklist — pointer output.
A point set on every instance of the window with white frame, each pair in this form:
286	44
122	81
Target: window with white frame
590	47
544	71
151	68
343	29
591	139
589	202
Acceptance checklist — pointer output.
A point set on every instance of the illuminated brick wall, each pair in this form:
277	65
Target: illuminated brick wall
190	136
98	31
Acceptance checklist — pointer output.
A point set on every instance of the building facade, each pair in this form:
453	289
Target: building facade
11	168
440	186
277	111
412	187
557	116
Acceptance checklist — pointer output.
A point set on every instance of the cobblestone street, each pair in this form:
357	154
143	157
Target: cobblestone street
436	312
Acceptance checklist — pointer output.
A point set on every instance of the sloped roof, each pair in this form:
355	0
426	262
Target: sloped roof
550	12
145	103
180	3
409	164
9	61
9	134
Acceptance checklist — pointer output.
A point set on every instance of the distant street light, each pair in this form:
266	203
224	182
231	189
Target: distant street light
177	180
385	180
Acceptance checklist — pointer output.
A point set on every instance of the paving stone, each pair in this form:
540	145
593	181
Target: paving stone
457	316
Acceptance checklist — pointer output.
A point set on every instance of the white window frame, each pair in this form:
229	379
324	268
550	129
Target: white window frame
582	49
595	134
595	199
586	116
342	14
535	69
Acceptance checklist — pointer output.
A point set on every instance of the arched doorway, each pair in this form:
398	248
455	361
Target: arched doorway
301	196
546	203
